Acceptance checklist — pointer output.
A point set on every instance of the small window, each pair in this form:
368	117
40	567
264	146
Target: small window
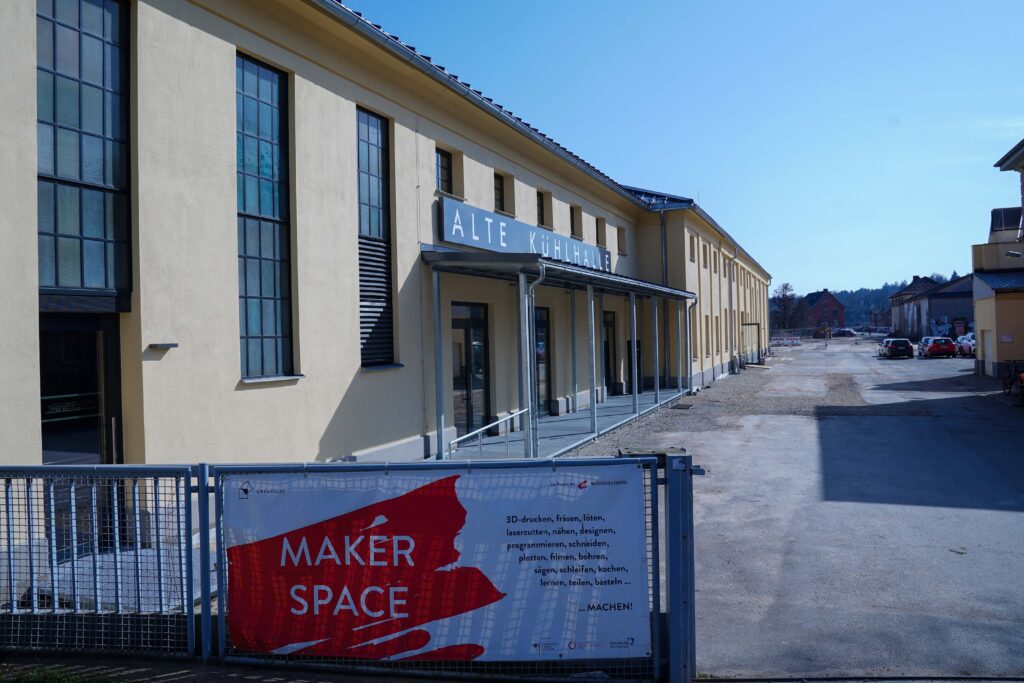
623	247
601	230
543	208
576	222
499	192
443	164
704	255
693	248
715	262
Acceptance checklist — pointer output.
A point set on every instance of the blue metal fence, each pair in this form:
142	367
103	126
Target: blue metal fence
112	559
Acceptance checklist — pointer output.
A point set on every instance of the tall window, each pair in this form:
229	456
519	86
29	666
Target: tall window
575	222
693	248
600	229
264	249
622	246
82	110
541	214
376	330
499	192
443	161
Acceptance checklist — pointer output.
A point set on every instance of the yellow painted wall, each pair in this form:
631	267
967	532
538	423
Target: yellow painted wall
20	436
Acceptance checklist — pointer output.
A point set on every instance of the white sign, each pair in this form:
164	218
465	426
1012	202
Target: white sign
448	565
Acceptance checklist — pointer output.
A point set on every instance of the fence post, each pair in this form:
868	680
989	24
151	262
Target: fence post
679	561
203	500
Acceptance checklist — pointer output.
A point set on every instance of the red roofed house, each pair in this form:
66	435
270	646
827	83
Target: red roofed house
825	310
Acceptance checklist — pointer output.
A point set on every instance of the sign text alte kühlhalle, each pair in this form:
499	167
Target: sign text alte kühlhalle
475	227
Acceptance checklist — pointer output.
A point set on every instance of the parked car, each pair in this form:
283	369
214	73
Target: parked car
938	346
966	345
922	344
899	348
883	347
844	332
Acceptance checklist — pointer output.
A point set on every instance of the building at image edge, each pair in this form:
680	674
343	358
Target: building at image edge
224	221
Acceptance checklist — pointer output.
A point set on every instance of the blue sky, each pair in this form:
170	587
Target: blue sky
844	144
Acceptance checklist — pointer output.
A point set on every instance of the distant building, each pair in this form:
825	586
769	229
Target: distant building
999	281
945	310
900	321
881	318
825	310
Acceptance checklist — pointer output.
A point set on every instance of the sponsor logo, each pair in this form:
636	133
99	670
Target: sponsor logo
545	646
583	644
247	489
622	644
582	484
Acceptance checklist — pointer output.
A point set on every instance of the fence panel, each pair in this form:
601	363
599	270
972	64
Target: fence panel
96	559
531	569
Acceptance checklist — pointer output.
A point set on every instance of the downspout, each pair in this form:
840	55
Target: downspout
663	371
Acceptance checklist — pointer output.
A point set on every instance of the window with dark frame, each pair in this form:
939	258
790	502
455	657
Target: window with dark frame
622	247
82	135
575	222
443	160
541	218
376	308
499	192
264	233
600	229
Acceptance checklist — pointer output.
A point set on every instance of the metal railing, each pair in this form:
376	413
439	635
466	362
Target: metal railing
453	445
96	558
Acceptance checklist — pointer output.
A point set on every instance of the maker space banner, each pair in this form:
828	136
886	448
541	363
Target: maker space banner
492	564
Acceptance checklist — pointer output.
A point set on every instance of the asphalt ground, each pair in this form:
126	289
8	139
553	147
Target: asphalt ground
859	516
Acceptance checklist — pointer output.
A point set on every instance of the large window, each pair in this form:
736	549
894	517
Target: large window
443	161
82	110
264	249
376	329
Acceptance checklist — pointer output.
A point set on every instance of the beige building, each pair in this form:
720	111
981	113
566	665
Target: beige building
236	231
999	282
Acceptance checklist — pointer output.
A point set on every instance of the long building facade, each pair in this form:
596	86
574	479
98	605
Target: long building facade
271	231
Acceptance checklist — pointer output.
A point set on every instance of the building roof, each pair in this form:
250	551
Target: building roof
916	286
814	297
1003	280
962	286
1012	160
644	199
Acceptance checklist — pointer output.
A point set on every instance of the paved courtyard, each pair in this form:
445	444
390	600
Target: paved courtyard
859	516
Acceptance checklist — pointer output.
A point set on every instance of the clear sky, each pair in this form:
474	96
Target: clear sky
843	144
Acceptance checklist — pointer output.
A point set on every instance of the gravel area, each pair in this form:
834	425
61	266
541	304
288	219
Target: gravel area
734	396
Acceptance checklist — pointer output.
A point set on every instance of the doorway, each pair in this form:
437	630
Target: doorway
610	356
471	378
542	326
80	389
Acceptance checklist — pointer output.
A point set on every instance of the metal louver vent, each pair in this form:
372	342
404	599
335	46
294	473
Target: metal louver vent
376	329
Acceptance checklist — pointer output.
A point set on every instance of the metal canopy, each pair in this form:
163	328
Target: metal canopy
556	273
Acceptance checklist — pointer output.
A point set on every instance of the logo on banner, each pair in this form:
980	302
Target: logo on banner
243	491
362	584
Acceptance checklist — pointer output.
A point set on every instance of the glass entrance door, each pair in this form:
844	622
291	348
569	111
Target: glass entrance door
79	389
470	370
610	356
542	316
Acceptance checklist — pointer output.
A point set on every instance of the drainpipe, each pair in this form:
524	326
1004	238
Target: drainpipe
663	371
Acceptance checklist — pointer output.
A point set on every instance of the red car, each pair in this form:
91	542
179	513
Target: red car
939	346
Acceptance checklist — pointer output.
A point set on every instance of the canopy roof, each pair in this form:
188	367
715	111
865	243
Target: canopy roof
556	273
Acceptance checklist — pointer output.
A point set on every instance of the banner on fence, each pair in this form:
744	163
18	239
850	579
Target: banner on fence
491	564
785	341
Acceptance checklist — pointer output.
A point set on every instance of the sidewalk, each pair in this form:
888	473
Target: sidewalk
46	667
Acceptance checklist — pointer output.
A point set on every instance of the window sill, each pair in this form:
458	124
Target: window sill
382	367
280	379
505	213
442	193
545	227
578	238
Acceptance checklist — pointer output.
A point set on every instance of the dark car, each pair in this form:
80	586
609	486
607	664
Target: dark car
938	346
899	348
